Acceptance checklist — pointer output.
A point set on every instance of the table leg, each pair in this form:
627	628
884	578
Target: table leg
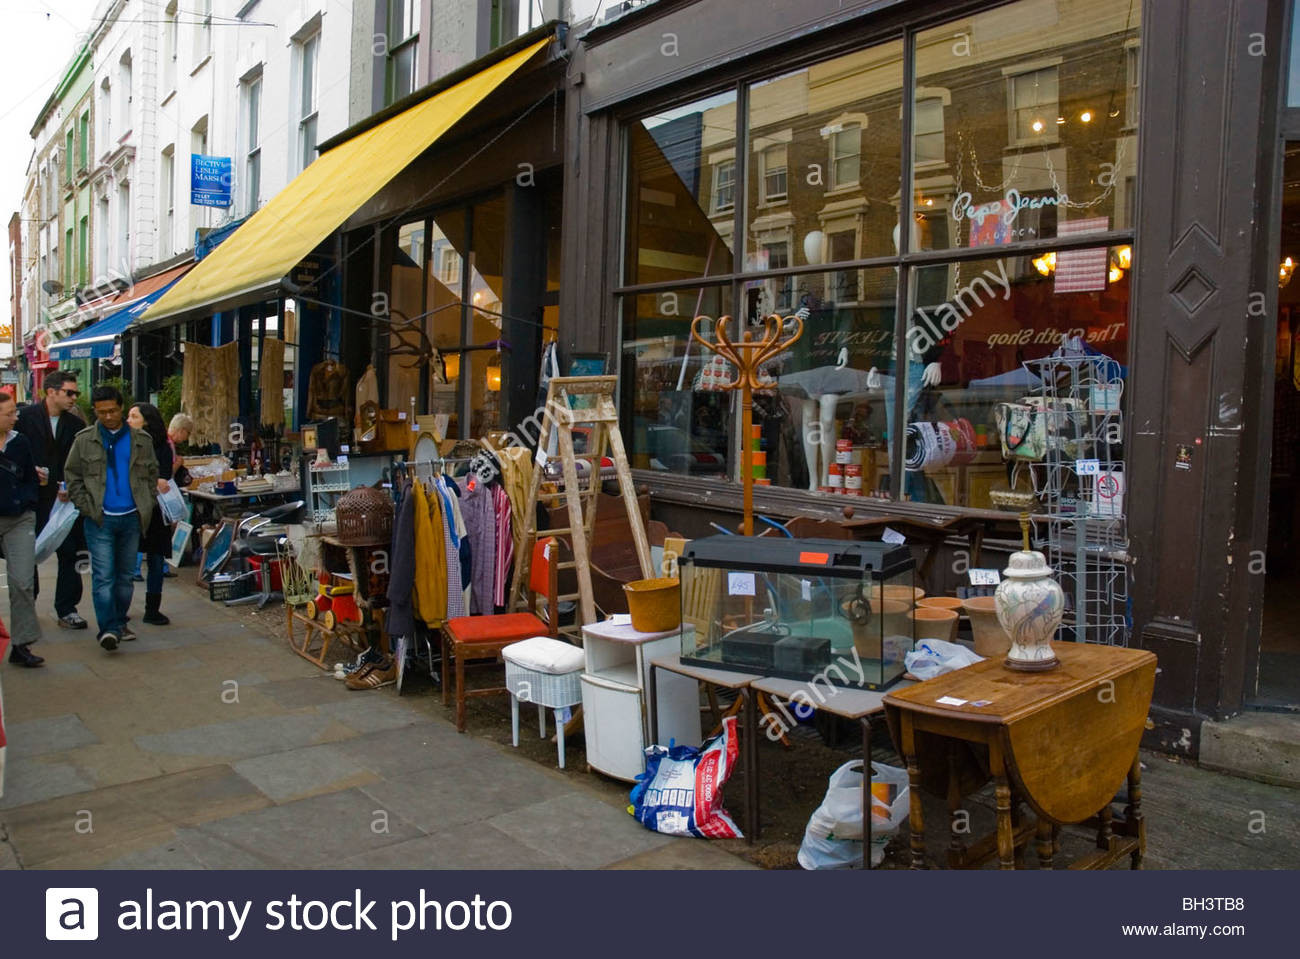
750	712
1137	824
866	792
916	817
1006	835
1104	830
1044	843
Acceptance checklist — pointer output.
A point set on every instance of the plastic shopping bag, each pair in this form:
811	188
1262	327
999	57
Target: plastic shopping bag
62	518
833	839
934	657
172	504
680	792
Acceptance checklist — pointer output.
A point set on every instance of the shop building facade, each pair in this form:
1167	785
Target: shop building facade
1063	172
1065	180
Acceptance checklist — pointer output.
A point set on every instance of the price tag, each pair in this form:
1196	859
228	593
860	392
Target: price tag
343	460
740	584
345	449
893	536
401	414
950	701
805	589
985	577
1087	467
540	458
415	427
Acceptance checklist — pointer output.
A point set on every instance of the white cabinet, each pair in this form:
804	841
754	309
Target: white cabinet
615	704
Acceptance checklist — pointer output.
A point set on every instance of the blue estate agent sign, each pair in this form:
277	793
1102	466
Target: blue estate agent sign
209	180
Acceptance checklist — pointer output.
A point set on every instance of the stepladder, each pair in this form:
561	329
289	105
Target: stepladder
568	483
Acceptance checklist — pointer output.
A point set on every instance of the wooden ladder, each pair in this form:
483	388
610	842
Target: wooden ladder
581	495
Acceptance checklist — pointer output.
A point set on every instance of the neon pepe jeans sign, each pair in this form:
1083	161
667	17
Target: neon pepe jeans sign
1008	208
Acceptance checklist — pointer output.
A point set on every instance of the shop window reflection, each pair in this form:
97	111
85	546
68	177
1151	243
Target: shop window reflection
966	350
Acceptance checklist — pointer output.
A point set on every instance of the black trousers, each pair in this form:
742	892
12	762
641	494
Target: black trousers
67	588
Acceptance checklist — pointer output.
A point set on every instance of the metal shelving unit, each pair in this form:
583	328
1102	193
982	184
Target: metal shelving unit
323	486
1081	528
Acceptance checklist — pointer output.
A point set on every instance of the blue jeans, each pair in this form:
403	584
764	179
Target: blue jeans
112	546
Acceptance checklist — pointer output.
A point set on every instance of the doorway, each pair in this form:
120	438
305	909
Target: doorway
1279	650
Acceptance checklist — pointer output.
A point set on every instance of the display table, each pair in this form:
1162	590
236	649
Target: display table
615	684
853	704
1064	740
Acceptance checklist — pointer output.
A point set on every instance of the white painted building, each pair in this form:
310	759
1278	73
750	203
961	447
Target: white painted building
258	81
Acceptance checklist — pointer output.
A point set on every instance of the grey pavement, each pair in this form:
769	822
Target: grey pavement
209	744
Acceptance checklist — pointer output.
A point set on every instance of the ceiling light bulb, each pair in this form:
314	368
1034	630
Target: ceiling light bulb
1037	126
1086	116
1060	120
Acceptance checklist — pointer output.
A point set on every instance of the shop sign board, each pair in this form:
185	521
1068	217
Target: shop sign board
210	179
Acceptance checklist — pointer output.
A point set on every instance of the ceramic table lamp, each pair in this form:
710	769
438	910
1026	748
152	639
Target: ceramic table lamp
1029	606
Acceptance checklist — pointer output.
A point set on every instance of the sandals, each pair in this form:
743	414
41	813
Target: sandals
374	675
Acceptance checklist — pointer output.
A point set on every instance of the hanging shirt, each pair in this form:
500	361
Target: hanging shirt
455	591
480	522
504	544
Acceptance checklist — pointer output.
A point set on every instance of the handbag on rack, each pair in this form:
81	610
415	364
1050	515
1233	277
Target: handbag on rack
1022	430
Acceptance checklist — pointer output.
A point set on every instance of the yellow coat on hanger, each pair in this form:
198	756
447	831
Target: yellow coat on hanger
430	594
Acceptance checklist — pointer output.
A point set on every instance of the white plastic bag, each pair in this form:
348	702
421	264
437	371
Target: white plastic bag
62	518
934	657
833	839
172	504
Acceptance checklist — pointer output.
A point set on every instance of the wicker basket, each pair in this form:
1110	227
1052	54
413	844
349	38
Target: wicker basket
364	517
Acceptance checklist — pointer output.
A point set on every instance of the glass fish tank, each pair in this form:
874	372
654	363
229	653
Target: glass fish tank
816	610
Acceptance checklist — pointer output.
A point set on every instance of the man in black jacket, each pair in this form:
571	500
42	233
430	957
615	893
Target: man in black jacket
50	426
18	485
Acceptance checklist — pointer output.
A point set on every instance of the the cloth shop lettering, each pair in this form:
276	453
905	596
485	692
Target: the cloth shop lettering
1009	208
1092	334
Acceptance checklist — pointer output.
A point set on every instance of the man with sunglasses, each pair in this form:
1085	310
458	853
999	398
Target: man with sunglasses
50	426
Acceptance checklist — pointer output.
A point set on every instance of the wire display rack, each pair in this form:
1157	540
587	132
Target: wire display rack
1081	484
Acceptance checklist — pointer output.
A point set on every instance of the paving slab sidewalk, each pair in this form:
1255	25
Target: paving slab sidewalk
208	744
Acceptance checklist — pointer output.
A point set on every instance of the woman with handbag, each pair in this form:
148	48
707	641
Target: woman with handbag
157	541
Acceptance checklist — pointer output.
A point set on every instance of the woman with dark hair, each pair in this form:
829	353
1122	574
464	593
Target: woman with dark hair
157	541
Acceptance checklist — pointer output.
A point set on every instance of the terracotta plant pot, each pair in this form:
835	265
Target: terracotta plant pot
990	638
931	623
940	602
910	594
888	618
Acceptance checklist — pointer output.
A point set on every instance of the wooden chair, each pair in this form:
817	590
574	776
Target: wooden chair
468	638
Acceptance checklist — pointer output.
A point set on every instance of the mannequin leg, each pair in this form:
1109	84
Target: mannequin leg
811	445
827	425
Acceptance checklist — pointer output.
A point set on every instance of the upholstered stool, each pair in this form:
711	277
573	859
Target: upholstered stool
546	672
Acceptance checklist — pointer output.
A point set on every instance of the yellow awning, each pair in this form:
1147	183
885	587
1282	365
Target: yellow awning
324	195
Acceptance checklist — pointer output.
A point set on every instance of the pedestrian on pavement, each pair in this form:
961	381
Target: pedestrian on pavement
112	476
49	425
19	481
157	542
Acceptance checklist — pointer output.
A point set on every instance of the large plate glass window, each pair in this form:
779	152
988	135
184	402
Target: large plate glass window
681	195
1024	119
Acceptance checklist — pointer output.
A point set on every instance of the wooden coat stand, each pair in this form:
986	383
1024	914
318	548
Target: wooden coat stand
748	356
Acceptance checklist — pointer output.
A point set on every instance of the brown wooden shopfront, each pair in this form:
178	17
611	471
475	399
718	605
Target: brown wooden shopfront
1190	133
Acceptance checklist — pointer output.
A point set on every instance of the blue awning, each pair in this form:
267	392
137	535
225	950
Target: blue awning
96	341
